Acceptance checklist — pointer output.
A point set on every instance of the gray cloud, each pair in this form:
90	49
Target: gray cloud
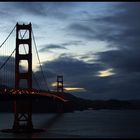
7	76
56	10
81	31
77	73
122	61
125	60
113	28
35	8
120	29
51	47
69	43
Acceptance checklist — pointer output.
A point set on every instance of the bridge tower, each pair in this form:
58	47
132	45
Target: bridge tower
23	109
60	87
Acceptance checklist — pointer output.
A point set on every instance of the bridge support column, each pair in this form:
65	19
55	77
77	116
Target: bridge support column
60	84
23	115
23	109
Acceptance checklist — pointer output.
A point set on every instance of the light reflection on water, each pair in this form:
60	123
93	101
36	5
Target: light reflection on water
80	124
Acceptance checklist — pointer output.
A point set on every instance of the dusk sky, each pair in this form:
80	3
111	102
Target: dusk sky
94	45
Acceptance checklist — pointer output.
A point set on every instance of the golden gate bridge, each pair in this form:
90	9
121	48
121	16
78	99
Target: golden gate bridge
11	77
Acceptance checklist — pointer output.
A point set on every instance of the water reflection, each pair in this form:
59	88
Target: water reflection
49	123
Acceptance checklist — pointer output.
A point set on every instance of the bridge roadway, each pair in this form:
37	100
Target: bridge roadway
24	96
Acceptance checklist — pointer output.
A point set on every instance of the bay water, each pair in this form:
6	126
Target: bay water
79	124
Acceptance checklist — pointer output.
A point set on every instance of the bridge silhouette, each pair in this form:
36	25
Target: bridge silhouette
23	97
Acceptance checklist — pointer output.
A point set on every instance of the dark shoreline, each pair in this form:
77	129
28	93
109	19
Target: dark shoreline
76	104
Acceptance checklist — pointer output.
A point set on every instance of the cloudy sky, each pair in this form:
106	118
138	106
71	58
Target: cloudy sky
94	45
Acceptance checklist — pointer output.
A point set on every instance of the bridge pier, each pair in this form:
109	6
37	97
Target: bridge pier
23	115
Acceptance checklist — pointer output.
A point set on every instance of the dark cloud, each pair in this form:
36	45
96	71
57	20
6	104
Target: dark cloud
122	61
40	81
125	60
77	73
69	43
125	26
60	10
72	66
55	10
51	47
7	71
121	27
121	30
81	30
35	8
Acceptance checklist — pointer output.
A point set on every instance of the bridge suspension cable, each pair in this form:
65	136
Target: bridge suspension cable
8	36
7	59
45	80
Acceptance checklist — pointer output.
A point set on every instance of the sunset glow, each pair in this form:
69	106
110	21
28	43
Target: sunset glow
74	89
105	73
54	84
